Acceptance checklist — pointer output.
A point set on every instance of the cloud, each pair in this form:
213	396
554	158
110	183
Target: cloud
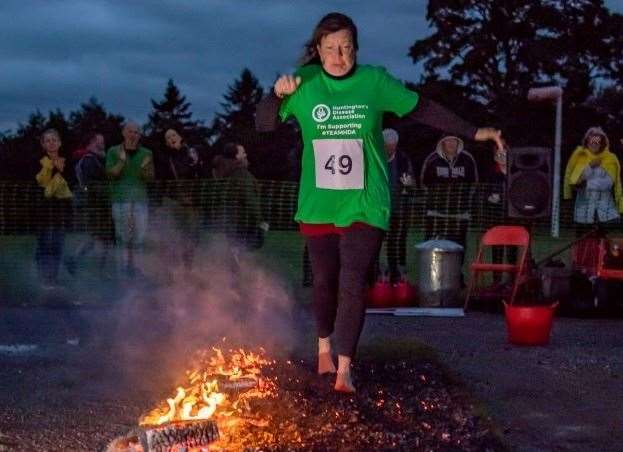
57	54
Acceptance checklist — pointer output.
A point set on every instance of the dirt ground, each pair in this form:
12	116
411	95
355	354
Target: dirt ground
564	396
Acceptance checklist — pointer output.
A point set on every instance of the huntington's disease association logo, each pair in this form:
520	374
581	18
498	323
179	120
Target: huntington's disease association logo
321	113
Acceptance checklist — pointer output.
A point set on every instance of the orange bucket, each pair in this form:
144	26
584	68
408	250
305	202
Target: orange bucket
529	325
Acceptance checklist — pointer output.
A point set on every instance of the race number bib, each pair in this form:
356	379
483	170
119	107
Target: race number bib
339	164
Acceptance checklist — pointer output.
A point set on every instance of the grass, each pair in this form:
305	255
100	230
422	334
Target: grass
282	253
19	282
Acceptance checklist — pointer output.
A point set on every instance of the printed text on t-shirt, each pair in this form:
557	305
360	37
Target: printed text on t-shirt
323	115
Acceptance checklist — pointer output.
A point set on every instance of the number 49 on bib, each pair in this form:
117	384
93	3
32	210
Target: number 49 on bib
339	164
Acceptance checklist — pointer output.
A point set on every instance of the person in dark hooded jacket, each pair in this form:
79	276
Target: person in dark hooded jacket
241	214
91	200
180	168
445	174
402	183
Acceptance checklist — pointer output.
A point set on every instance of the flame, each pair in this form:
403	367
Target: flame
218	386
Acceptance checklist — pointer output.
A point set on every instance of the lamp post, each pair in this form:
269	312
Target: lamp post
553	93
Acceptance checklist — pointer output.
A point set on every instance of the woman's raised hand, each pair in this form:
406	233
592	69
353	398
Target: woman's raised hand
286	85
59	163
489	133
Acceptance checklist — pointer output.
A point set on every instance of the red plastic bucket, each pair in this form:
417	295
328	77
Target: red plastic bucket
404	294
529	325
380	295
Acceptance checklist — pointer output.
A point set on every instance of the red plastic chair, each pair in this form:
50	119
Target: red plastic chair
501	236
604	270
585	255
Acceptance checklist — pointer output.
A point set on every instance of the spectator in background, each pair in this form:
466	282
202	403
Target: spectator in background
497	200
91	199
54	212
497	178
181	167
242	217
594	173
401	181
83	149
445	174
130	167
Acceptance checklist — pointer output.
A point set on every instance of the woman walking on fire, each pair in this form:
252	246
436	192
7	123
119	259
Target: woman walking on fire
344	199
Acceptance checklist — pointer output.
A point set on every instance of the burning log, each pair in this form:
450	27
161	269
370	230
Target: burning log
175	436
163	438
237	386
218	388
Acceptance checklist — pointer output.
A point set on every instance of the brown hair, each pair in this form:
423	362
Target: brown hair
330	23
89	137
230	150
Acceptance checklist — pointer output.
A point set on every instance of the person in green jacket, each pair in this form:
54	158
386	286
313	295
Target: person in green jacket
130	167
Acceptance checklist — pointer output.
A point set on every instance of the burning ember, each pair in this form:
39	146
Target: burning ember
229	402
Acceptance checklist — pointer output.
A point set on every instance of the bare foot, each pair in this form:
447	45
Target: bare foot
343	383
325	364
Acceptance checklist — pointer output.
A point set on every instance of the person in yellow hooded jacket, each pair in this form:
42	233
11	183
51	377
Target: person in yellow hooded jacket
54	211
594	173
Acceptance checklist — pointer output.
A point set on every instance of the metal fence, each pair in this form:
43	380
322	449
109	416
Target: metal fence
227	206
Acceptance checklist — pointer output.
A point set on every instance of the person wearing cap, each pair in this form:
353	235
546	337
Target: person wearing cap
447	174
401	183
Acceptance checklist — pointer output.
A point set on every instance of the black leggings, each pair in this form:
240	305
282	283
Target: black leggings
340	265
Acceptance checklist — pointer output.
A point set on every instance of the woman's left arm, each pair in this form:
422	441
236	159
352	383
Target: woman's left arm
434	115
267	113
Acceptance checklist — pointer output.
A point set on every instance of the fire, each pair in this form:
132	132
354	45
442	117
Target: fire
218	386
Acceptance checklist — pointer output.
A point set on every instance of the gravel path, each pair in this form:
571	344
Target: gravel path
565	396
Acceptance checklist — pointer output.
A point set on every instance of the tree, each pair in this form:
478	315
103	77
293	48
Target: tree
418	140
272	155
237	120
56	120
608	103
497	49
174	112
236	123
93	117
34	127
21	150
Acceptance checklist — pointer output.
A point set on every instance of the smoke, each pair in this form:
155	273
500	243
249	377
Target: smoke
228	298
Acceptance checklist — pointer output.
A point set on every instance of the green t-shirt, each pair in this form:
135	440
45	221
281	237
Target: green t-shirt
344	175
130	185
